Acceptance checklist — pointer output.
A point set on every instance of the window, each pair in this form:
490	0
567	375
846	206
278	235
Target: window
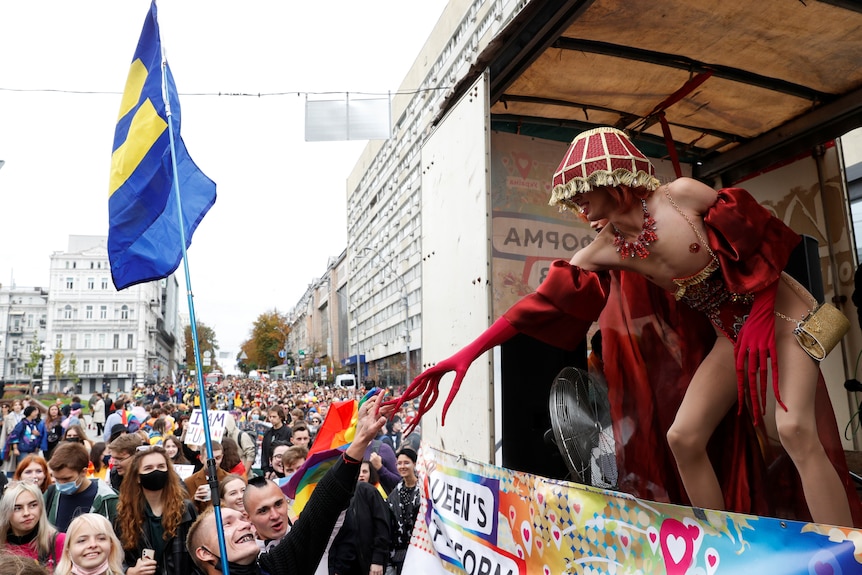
103	312
115	365
124	312
91	265
116	342
104	282
73	341
88	312
130	365
29	320
130	341
88	340
58	341
101	341
67	312
100	365
91	283
85	366
70	283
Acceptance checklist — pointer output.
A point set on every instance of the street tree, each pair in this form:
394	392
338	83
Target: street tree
268	337
206	342
35	355
59	358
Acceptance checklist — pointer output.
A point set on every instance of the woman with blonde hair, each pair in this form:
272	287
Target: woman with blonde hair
231	490
91	548
24	526
153	513
34	469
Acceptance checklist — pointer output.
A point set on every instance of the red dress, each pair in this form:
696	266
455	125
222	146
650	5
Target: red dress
652	345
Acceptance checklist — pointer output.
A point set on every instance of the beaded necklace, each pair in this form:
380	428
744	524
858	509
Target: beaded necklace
638	247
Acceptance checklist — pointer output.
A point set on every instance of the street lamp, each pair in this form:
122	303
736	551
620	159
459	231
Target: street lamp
404	301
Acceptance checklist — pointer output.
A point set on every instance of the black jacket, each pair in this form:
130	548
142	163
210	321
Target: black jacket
283	433
300	551
364	538
176	559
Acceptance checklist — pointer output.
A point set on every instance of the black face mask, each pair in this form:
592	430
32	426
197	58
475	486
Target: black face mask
154	480
74	439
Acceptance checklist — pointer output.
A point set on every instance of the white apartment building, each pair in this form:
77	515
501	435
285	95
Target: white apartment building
112	340
23	313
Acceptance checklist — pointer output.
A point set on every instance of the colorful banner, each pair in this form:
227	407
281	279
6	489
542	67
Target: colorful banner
480	519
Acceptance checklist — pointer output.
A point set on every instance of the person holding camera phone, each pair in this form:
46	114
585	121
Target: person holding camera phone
154	516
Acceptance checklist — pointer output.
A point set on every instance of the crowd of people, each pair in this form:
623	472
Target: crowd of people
113	484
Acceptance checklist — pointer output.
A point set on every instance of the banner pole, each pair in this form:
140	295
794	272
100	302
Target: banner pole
212	473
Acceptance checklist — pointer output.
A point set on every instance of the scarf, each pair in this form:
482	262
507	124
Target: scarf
103	568
28	537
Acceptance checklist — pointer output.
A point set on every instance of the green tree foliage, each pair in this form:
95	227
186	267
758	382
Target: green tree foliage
73	369
59	358
206	342
35	354
268	337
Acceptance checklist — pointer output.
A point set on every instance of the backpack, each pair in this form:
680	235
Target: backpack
251	438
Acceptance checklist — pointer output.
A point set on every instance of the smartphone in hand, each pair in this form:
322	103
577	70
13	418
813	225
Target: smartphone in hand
148	554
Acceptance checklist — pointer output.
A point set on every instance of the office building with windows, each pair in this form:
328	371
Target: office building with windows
107	340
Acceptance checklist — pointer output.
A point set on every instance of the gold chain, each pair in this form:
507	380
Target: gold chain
690	223
790	281
802	291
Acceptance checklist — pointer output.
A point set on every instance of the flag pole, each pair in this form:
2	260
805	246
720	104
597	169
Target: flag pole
212	473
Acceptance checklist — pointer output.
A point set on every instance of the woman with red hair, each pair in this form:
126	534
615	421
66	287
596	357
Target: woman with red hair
34	469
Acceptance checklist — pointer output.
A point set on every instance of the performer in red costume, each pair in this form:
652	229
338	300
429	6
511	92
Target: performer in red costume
722	255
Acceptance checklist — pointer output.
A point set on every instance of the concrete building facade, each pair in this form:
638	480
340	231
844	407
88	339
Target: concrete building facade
23	320
109	340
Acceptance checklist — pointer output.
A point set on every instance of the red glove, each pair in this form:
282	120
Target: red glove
756	343
426	383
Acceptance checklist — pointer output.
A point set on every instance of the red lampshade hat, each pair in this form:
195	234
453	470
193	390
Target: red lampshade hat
601	157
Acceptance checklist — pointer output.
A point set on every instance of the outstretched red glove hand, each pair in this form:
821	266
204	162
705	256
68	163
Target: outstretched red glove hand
756	346
426	384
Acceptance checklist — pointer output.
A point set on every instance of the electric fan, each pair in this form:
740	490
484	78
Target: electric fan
581	421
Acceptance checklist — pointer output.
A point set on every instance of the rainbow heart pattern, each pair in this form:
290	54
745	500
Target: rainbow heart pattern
558	528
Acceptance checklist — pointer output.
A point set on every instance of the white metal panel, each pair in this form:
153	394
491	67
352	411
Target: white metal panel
455	268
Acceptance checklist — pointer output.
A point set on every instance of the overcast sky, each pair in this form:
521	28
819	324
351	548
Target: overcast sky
280	212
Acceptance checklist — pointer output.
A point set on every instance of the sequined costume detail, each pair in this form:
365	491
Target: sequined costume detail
707	293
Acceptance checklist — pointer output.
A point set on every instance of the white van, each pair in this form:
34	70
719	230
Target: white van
347	380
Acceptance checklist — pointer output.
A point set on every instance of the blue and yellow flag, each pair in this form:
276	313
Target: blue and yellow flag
144	233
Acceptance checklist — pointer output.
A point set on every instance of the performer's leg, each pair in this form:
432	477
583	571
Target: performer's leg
711	393
797	431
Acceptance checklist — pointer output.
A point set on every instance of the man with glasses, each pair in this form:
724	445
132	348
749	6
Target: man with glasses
122	449
72	492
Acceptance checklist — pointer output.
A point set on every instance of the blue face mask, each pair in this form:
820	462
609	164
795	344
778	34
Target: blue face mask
67	488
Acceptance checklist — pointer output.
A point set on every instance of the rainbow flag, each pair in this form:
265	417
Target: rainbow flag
338	427
333	438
